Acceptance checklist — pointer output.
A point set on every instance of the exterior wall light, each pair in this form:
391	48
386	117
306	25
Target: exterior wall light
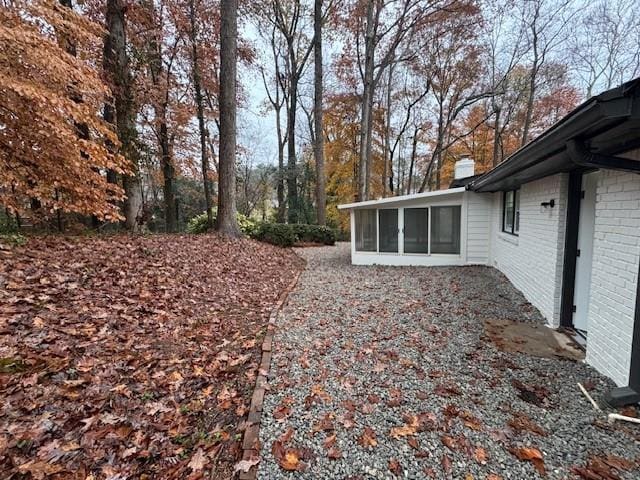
551	203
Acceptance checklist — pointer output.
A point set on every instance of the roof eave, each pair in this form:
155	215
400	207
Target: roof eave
401	198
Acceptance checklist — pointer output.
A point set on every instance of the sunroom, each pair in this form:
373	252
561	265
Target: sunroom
446	227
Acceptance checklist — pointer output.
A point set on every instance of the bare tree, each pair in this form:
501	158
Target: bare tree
288	18
545	26
504	47
413	95
278	98
455	64
226	221
382	39
605	51
199	99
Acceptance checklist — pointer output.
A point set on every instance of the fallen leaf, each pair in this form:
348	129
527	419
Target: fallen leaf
198	460
40	470
245	465
480	455
286	436
446	463
448	442
521	422
288	458
394	467
409	428
368	438
532	455
447	390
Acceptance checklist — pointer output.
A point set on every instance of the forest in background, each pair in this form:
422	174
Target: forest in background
110	110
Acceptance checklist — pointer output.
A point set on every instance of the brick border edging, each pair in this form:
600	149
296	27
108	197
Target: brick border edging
251	438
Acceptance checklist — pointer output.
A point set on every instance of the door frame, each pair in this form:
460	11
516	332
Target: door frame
570	248
572	231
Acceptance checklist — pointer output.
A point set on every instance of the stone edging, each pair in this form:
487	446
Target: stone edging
251	440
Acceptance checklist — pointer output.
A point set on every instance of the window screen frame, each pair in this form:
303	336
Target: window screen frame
428	228
402	226
375	223
388	252
515	216
461	240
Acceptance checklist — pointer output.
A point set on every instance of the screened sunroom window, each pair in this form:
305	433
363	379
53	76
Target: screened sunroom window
445	229
416	230
365	230
388	228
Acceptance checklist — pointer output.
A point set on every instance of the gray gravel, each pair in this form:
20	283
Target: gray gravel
393	342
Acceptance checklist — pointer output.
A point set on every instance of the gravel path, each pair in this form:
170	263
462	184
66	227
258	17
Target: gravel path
392	361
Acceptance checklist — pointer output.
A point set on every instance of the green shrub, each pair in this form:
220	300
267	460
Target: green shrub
12	239
286	235
198	224
247	225
280	234
314	234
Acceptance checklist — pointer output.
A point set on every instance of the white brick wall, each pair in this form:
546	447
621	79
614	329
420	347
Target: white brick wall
533	260
616	253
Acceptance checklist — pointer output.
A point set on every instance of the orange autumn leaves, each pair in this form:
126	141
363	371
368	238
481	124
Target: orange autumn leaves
55	146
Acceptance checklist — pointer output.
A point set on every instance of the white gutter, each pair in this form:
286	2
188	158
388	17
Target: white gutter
402	198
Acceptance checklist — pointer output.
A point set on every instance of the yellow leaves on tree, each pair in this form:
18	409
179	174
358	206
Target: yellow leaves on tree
54	146
342	134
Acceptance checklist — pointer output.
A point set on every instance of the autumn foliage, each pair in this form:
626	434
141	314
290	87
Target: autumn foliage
54	146
131	357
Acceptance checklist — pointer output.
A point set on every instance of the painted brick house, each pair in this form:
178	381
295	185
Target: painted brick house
560	218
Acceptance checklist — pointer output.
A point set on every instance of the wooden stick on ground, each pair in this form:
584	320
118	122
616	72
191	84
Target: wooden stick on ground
586	394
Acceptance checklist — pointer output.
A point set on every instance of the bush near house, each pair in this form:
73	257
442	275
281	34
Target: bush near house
280	234
314	234
198	224
287	235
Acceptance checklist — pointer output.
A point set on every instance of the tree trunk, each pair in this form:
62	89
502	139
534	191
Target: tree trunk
282	206
532	84
226	221
276	103
414	150
496	136
529	110
387	171
116	63
318	145
367	104
160	111
169	175
197	88
292	174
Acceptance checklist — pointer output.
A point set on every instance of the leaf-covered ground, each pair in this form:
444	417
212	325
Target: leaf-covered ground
131	357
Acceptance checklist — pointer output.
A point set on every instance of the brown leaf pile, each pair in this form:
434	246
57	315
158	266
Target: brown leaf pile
131	356
603	467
